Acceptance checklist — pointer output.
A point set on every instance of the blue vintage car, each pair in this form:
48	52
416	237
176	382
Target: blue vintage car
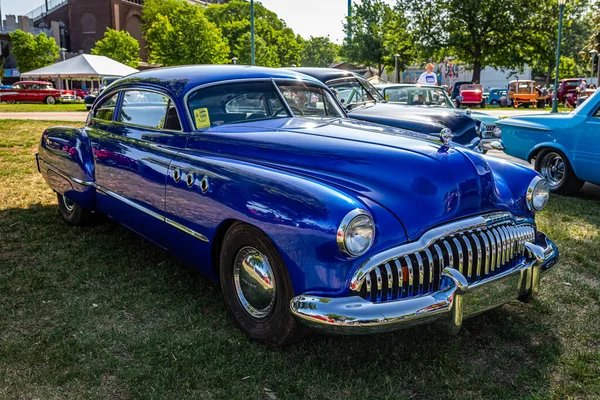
566	147
255	177
364	102
496	94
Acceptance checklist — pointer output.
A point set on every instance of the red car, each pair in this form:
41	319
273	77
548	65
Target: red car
470	94
35	92
566	86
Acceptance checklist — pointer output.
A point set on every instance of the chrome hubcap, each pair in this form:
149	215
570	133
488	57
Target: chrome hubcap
553	169
254	282
69	204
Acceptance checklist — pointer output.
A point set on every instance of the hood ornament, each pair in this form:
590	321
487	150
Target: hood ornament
446	135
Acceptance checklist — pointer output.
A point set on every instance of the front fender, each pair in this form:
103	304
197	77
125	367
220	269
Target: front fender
546	145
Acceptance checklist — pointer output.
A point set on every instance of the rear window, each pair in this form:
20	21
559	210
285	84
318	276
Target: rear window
234	103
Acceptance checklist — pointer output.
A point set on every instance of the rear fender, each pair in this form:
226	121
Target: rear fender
66	162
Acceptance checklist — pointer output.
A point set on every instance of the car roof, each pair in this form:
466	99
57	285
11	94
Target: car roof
34	82
180	80
323	74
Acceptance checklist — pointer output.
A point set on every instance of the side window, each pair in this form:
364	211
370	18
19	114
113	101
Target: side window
172	121
597	113
235	103
106	110
144	108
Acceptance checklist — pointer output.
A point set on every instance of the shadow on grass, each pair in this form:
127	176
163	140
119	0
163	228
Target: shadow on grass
98	310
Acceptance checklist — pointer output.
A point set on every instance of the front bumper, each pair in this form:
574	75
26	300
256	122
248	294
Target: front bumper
447	307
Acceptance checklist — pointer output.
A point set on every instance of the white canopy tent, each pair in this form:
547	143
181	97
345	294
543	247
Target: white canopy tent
84	67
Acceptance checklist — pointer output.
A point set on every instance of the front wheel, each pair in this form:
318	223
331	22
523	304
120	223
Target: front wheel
555	167
257	287
482	104
71	212
50	100
493	102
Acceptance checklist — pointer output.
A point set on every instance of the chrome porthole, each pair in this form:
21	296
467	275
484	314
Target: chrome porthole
254	282
69	204
553	168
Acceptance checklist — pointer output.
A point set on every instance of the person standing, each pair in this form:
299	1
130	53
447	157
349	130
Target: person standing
428	77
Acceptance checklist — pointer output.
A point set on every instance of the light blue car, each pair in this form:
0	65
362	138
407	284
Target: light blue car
566	147
495	95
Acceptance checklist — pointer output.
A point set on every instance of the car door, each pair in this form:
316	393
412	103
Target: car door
586	154
134	137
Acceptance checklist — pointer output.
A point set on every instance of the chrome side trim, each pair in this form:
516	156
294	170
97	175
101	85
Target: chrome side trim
186	230
66	176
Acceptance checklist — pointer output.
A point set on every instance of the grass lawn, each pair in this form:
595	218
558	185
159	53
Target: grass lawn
99	313
26	107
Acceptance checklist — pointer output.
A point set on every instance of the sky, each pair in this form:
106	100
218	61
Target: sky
305	17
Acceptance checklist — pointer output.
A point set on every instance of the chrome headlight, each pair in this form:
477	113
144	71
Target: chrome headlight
538	194
497	132
356	233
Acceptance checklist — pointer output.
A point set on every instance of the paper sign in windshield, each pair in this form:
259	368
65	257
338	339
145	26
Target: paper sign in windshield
202	118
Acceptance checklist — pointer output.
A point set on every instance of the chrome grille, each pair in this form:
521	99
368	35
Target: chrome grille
489	132
477	253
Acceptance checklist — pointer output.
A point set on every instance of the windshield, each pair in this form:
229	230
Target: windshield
418	96
354	90
306	100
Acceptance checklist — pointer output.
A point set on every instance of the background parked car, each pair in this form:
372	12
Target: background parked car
495	95
35	92
364	102
566	147
566	86
470	94
437	99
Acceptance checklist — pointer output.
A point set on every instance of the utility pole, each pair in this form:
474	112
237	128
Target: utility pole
252	31
561	7
349	21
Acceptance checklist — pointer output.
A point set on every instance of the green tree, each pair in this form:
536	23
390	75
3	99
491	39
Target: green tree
318	52
120	46
594	39
378	32
179	33
479	32
271	33
543	36
33	51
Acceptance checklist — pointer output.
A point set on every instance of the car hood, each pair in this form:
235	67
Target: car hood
421	181
543	122
421	119
486	118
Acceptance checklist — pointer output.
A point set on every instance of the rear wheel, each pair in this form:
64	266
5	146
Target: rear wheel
482	104
555	167
71	212
50	100
493	102
257	287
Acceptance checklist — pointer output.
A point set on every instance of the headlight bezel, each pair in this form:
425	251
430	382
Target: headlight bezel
347	221
497	132
537	183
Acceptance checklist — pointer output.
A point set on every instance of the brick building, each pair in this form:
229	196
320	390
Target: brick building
81	23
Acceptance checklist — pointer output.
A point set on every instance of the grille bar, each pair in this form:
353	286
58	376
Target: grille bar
477	253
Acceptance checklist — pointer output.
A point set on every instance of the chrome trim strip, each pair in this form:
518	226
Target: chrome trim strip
431	267
460	254
506	244
498	252
152	214
400	278
421	272
468	273
478	249
410	275
379	284
502	246
368	283
450	255
486	246
390	279
440	255
186	230
490	236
